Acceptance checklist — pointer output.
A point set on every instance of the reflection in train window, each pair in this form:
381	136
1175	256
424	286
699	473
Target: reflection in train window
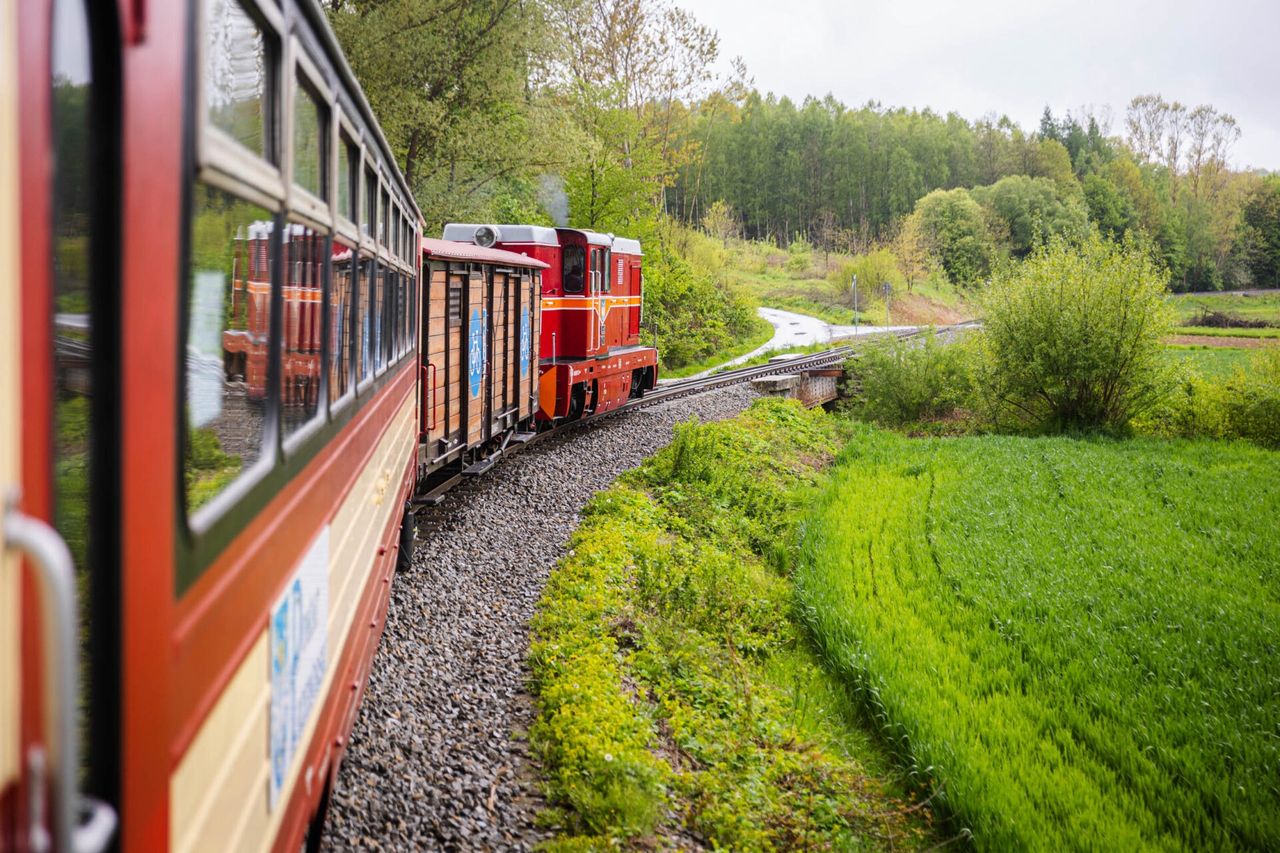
309	136
347	155
379	315
304	251
364	361
238	66
228	334
370	202
340	327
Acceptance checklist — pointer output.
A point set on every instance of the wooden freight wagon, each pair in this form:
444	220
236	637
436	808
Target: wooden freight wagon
480	318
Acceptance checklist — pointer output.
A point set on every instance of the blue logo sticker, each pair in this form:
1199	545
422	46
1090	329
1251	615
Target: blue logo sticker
524	342
475	351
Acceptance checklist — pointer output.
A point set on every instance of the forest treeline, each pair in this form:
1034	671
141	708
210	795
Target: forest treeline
976	191
607	114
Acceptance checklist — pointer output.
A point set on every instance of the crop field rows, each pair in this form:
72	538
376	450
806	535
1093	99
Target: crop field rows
1076	641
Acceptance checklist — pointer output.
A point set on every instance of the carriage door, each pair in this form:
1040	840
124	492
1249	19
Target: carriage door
67	523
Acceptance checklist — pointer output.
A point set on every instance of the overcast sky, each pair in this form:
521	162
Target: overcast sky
1016	56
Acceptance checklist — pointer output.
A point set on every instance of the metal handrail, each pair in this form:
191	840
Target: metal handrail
55	577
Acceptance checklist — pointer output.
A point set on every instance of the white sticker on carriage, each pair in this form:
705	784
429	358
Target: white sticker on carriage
298	629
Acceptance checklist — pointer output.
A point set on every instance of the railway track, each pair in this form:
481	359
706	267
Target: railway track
664	394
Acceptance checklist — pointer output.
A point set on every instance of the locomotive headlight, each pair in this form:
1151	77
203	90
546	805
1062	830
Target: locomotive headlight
486	236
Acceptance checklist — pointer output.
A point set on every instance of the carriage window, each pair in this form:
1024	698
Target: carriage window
575	262
381	218
237	72
346	178
411	312
342	298
228	333
370	203
304	251
309	150
379	297
364	319
394	315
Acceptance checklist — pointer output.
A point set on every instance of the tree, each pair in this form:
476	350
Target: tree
1031	209
448	81
910	248
1052	161
1109	208
956	232
1262	237
1072	336
721	222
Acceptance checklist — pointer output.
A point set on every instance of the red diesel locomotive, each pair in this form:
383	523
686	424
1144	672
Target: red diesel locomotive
591	357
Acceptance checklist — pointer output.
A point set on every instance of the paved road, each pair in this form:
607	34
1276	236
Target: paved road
797	330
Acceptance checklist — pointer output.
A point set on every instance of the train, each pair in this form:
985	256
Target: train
231	367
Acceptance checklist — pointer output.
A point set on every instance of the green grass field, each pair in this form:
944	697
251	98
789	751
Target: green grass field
776	288
1076	641
1264	307
1217	332
1209	362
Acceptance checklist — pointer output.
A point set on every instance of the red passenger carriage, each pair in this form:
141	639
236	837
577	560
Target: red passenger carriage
208	414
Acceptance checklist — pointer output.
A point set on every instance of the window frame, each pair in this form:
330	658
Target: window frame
216	150
344	137
220	507
343	401
303	74
290	444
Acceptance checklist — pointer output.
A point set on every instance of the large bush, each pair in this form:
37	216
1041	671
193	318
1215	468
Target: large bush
905	382
1072	336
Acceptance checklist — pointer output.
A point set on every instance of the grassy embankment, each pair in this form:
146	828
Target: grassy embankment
1075	641
762	331
808	281
680	701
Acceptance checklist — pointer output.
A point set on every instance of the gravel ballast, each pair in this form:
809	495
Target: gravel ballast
437	759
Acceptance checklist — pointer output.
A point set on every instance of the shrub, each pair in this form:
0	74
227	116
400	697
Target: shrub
874	270
1247	405
1072	336
901	382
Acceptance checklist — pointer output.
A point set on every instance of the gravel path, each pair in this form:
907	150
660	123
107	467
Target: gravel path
437	759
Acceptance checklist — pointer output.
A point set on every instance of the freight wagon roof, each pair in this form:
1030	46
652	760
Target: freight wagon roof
450	250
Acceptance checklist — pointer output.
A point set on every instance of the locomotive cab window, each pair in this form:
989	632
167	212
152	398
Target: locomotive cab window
575	273
228	330
238	76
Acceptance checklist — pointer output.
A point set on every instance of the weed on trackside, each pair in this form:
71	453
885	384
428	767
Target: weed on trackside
680	704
